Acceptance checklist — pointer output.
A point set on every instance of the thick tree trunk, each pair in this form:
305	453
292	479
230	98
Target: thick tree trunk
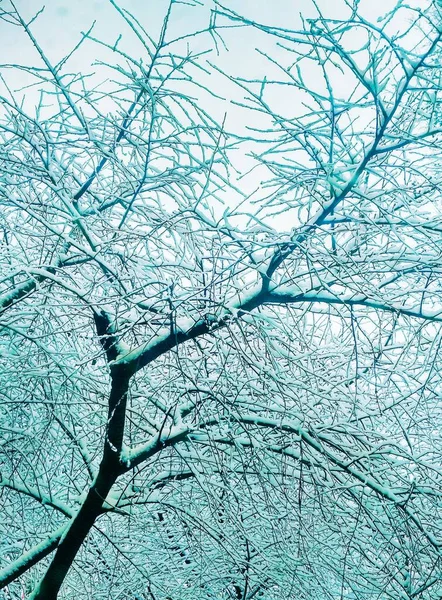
84	520
70	544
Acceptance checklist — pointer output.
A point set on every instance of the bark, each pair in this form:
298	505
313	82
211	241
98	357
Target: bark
110	469
77	532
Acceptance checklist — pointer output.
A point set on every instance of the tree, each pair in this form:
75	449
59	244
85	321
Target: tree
209	392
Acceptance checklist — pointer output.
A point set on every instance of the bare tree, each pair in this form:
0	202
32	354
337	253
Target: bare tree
208	392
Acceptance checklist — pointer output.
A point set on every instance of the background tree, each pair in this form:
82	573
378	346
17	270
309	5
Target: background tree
209	392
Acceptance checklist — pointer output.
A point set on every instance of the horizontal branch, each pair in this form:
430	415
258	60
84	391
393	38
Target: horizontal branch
171	435
184	331
294	297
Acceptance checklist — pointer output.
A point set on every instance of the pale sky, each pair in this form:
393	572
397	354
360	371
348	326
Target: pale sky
58	29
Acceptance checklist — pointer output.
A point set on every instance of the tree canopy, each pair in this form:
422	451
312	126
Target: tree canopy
220	307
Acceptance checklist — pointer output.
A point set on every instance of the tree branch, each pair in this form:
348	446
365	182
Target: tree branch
30	558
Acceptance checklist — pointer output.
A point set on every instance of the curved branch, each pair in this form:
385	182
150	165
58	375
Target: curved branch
30	558
36	495
290	297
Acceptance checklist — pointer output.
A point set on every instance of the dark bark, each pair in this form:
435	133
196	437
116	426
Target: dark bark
116	414
76	534
92	507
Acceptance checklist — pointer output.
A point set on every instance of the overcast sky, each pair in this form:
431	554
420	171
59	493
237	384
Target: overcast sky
58	29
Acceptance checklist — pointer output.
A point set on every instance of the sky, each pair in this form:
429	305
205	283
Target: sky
59	28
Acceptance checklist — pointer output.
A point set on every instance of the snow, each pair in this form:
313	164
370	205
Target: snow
32	555
168	436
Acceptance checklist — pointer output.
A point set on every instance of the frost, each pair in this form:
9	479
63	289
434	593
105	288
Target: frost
220	338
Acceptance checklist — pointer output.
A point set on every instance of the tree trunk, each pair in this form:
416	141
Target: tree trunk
81	524
84	520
